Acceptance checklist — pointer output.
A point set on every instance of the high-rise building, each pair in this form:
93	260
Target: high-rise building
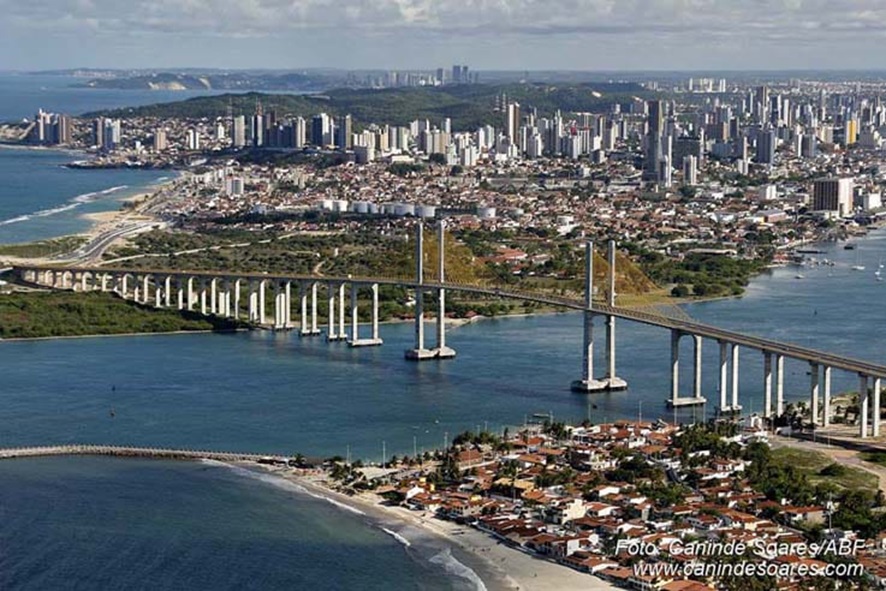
513	121
98	126
299	132
654	141
321	127
766	142
193	139
257	130
111	134
160	143
690	170
343	131
238	138
832	195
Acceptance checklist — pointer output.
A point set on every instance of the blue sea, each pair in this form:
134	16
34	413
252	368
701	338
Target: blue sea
21	95
110	523
40	198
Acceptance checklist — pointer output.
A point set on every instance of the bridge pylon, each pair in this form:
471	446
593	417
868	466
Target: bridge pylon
419	352
610	382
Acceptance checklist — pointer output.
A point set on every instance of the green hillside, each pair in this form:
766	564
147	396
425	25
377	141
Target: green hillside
467	105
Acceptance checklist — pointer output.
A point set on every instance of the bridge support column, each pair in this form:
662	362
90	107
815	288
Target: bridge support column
675	366
287	319
145	286
375	335
124	286
418	352
314	329
736	407
213	296
442	351
342	335
813	391
158	297
587	383
876	407
167	292
724	374
696	383
308	324
767	384
826	416
779	385
613	382
330	331
262	307
192	293
253	302
83	283
237	285
279	308
204	295
863	405
355	340
104	282
181	294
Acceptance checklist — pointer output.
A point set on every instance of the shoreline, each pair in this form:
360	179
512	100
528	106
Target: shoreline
123	334
499	566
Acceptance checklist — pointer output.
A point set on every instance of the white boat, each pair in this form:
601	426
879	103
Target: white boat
857	267
799	276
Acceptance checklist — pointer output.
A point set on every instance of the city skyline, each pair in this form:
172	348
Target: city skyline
489	34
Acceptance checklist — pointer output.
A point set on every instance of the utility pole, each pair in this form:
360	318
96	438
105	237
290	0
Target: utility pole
384	454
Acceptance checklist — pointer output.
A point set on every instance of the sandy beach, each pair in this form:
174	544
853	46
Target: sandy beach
501	568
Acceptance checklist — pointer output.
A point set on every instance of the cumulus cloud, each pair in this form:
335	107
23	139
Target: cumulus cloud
550	17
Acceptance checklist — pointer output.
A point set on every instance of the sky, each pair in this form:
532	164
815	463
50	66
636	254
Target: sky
425	34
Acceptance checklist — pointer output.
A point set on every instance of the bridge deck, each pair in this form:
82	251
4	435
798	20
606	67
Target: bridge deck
687	326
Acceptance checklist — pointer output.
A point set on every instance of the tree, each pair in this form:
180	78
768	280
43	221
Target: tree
680	291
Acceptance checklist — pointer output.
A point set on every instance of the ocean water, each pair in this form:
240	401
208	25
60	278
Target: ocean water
40	198
21	95
103	523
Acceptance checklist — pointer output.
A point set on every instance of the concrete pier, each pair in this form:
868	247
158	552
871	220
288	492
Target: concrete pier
827	397
779	385
813	391
442	351
613	382
308	325
587	383
355	340
331	333
730	407
675	400
864	405
767	384
419	352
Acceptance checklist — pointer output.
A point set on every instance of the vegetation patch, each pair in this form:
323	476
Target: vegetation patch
63	314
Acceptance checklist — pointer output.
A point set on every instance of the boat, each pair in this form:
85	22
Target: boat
849	246
799	276
857	267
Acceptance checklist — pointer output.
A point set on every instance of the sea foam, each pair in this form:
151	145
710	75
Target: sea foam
452	566
397	537
72	204
284	484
